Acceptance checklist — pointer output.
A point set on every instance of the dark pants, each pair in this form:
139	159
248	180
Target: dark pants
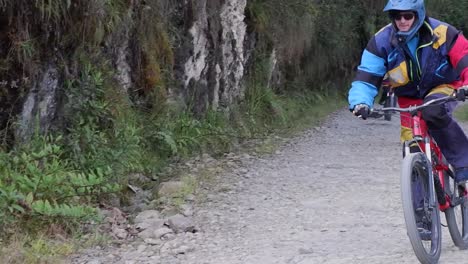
446	131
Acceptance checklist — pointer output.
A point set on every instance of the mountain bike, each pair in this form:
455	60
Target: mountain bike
428	188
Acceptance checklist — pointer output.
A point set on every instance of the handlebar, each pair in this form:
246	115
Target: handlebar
377	112
413	109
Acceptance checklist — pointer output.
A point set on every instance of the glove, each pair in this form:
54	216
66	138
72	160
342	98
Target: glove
462	93
361	110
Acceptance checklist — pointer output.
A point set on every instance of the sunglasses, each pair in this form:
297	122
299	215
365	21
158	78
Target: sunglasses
398	16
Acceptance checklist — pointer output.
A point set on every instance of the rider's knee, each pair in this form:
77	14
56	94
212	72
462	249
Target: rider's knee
436	116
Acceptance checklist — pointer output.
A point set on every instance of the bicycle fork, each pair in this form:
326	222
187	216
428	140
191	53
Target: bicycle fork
435	183
437	194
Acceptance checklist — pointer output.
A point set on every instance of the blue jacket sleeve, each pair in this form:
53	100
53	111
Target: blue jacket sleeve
370	73
361	93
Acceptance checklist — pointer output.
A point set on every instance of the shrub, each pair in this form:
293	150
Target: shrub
40	186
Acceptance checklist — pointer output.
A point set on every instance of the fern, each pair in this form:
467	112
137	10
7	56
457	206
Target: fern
37	181
45	208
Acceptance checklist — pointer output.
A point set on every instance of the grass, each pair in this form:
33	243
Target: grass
27	250
462	113
41	248
301	113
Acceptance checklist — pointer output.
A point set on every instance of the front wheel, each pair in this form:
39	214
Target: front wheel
420	208
457	216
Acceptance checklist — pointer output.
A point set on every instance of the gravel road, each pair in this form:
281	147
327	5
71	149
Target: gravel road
330	195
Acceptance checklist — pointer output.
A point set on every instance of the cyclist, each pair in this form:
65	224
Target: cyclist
424	59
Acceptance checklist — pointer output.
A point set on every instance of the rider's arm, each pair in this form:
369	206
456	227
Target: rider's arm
458	55
369	76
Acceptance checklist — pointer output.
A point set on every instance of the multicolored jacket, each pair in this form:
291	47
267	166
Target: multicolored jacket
437	55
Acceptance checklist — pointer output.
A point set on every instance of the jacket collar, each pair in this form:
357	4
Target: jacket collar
425	33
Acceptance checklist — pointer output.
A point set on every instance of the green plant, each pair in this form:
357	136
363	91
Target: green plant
181	135
39	185
105	131
89	115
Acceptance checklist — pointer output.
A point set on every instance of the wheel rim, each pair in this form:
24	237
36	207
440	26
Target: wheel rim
431	213
461	213
457	216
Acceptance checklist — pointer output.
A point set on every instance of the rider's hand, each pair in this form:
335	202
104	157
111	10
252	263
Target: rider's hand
362	111
462	93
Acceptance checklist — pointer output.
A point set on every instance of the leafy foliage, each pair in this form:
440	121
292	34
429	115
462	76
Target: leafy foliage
450	11
38	184
182	134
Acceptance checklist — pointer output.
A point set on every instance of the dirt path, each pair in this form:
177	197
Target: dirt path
329	196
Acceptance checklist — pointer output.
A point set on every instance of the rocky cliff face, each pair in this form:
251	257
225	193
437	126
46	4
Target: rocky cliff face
211	50
41	104
212	60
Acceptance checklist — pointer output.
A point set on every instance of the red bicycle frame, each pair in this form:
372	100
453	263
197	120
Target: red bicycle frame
432	151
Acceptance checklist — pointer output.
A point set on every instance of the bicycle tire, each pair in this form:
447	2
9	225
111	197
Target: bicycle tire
389	103
415	173
457	217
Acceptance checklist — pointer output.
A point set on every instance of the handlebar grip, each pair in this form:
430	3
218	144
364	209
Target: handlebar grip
364	113
462	93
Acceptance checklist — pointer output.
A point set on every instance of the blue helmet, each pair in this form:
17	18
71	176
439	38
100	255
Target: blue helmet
416	6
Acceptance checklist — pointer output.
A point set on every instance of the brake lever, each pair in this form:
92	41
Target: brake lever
375	115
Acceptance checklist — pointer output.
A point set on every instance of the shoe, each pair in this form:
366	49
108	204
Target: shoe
424	233
423	225
461	175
